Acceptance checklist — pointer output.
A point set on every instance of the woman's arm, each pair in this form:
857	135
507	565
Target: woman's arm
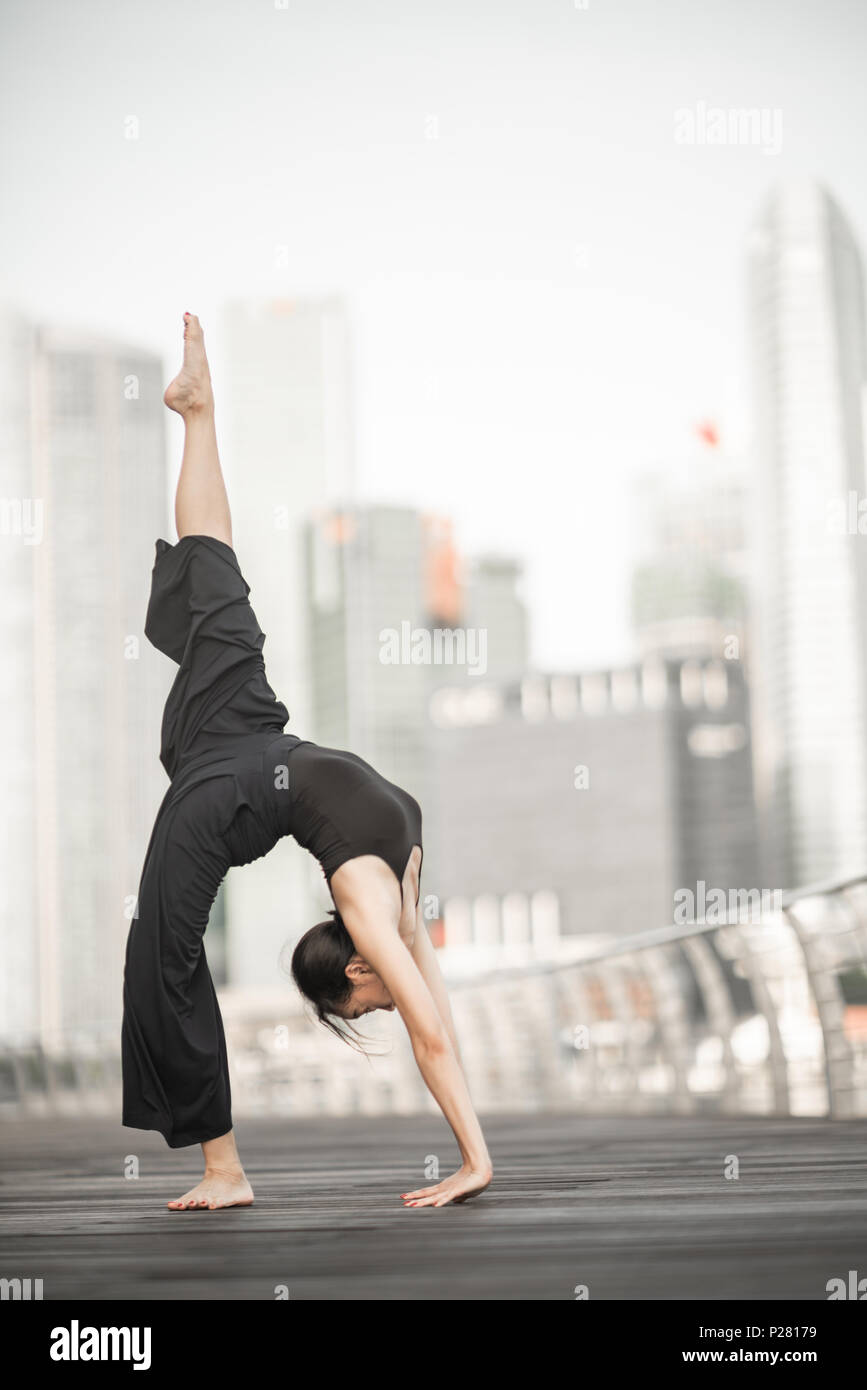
463	1184
432	1047
425	957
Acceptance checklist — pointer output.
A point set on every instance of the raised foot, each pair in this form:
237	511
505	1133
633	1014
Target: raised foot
191	392
217	1189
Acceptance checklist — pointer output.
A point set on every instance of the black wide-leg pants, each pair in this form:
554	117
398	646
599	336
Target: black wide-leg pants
220	744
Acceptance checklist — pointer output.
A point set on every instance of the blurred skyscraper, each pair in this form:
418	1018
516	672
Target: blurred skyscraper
492	603
285	426
82	691
806	305
382	583
690	584
395	614
366	574
690	603
19	905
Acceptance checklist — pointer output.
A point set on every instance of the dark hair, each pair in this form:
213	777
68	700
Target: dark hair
318	968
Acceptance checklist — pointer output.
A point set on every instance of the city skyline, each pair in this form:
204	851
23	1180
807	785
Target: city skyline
541	345
294	366
292	394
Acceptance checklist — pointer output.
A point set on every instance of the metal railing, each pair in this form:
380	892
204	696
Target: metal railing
761	1016
738	1016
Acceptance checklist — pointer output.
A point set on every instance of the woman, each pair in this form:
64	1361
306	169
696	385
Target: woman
238	784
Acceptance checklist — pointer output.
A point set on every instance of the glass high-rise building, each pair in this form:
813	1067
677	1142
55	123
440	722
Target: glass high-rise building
690	582
396	614
82	693
806	306
19	977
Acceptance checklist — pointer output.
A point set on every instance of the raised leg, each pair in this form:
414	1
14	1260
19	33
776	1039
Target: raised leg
202	508
201	501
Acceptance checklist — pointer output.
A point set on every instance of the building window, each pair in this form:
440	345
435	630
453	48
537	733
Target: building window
716	685
624	690
545	918
534	699
691	684
716	740
452	707
594	693
654	684
458	922
564	697
516	920
486	921
482	704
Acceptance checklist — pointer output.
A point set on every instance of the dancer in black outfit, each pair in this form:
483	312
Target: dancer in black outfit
238	784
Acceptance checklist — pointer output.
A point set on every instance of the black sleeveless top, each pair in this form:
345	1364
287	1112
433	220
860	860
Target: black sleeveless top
339	807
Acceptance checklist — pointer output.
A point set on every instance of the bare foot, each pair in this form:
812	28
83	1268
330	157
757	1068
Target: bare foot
191	388
218	1188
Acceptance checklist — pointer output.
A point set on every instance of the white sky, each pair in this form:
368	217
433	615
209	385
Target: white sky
545	297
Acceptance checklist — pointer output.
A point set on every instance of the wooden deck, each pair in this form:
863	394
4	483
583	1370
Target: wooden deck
634	1208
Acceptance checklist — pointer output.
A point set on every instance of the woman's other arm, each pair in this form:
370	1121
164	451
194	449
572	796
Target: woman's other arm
425	957
432	1047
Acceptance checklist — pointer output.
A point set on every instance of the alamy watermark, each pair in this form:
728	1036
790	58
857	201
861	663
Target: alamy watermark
19	1289
77	1343
721	905
854	1287
439	646
761	126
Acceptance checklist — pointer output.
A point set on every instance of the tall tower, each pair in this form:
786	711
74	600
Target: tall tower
806	304
380	580
19	535
83	689
494	604
368	578
689	588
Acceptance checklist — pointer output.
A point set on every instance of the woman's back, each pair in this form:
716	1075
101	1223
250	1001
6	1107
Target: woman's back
339	808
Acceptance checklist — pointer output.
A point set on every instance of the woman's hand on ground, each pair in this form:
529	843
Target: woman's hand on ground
465	1183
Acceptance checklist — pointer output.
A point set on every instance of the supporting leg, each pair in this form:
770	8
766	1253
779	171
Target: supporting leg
225	1182
201	501
175	1065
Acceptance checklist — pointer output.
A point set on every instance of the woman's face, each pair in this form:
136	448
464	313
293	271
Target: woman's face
368	993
